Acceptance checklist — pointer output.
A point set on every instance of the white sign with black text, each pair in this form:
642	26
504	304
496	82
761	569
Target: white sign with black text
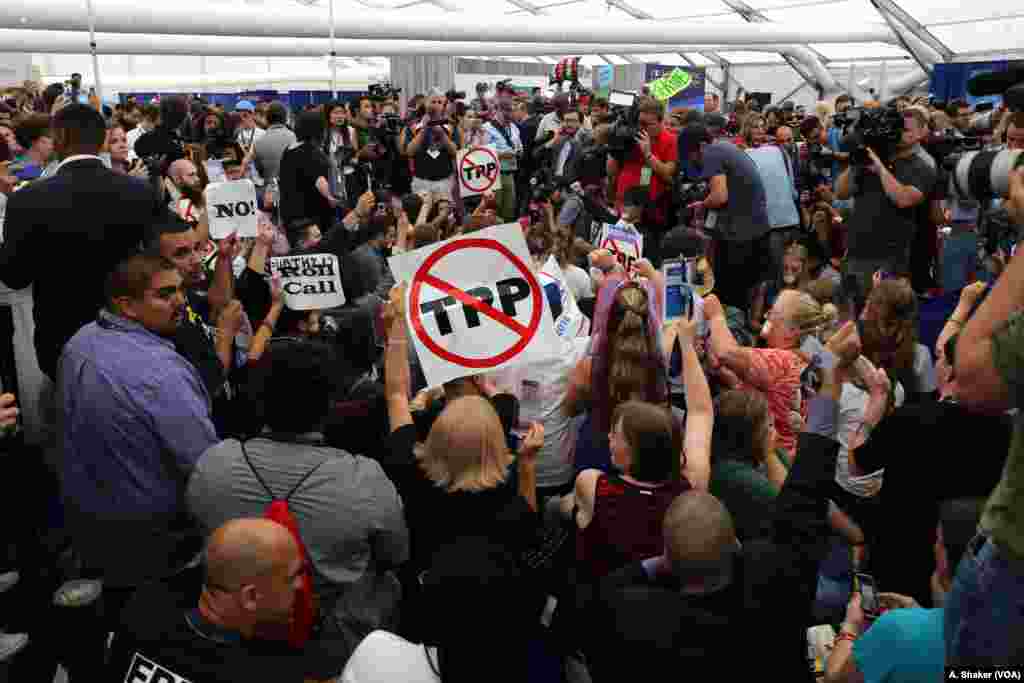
310	281
231	207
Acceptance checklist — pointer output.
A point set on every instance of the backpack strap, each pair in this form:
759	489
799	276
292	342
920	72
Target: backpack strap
263	483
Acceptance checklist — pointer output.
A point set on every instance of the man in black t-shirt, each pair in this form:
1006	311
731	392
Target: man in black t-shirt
253	570
433	144
890	200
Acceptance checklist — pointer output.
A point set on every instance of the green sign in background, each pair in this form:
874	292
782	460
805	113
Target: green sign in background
670	84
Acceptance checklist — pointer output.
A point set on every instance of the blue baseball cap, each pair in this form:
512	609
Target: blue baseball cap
245	105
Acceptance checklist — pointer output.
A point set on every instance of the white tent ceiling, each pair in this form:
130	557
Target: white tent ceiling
992	27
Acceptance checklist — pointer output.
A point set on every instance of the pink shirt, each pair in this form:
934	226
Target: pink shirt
776	374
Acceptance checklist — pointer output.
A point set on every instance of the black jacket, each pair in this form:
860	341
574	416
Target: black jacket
64	235
631	624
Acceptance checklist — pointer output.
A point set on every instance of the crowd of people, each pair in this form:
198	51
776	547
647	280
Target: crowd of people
211	486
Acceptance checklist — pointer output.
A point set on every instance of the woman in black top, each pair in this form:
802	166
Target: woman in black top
305	191
456	485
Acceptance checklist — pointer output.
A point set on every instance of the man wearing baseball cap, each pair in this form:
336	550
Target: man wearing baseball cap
248	132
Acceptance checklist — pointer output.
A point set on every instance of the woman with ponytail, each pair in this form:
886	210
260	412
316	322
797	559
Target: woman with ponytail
625	362
618	516
794	330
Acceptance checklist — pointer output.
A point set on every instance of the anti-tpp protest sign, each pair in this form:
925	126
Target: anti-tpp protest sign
627	245
479	171
474	305
231	207
311	281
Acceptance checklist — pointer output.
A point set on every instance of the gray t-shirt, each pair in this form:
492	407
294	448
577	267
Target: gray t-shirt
745	217
348	512
878	229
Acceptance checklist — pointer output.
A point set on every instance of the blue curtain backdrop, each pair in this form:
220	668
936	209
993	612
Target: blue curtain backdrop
949	81
294	100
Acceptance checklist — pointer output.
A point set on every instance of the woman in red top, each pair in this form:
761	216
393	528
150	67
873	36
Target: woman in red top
618	516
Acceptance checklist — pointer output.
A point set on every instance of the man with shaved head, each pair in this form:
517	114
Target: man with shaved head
707	599
253	569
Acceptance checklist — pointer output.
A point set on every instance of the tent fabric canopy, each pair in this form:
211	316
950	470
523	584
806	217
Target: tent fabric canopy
987	28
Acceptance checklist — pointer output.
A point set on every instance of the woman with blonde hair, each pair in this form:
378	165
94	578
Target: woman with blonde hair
795	329
457	483
824	111
754	131
795	274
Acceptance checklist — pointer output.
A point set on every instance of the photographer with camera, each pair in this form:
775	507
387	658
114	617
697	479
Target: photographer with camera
891	185
736	211
432	144
652	162
164	142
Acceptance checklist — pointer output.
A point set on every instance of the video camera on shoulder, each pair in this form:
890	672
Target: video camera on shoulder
881	129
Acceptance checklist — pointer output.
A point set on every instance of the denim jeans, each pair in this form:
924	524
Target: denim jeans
984	620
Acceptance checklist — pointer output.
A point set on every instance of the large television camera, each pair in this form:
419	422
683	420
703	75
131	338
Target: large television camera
624	125
968	170
383	91
881	129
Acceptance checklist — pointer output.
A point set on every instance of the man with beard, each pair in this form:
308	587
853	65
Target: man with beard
186	195
215	138
134	419
211	349
553	120
253	569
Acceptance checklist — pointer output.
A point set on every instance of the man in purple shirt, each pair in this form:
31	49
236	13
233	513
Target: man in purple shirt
134	419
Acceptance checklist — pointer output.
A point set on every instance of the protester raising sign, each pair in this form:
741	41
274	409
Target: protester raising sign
474	305
626	244
311	281
479	171
231	207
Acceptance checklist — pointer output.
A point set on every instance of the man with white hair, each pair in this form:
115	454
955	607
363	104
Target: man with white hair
432	144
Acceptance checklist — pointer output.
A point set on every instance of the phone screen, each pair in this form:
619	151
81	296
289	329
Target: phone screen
865	585
678	292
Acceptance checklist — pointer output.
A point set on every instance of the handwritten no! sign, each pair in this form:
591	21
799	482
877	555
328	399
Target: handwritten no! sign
231	207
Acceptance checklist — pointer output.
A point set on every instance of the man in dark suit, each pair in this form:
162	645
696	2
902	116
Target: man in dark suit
65	233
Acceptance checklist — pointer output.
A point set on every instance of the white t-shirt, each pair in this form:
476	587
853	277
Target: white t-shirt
579	282
249	136
132	137
924	370
852	404
383	657
541	388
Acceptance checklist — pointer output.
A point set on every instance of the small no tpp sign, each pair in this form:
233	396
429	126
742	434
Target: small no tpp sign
311	281
479	171
627	245
231	207
474	305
